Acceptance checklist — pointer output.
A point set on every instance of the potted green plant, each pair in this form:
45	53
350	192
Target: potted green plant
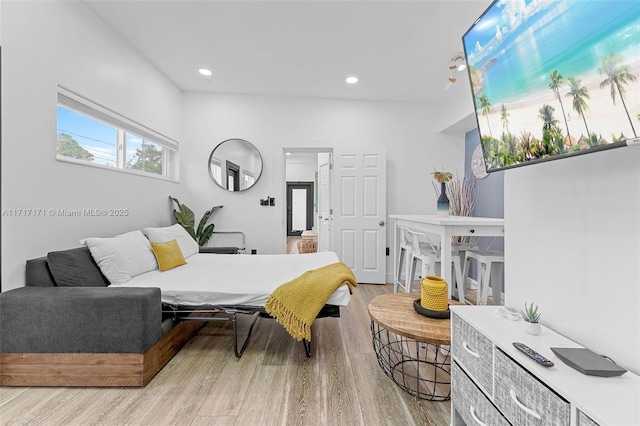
186	218
532	318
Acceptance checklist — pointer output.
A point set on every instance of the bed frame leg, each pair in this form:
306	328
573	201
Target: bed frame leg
307	347
234	319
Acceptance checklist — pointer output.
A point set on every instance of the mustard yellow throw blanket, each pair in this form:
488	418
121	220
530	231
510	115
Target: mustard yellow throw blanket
296	304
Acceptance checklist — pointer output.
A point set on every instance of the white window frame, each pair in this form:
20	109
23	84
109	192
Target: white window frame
215	170
247	179
79	104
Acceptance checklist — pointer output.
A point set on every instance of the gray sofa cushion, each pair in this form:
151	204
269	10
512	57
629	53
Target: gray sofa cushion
75	268
38	273
76	320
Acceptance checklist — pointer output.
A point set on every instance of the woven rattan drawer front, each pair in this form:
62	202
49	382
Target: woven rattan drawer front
474	352
470	402
523	399
584	420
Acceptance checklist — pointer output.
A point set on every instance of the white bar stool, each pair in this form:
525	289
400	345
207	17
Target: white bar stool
406	248
429	256
404	260
490	264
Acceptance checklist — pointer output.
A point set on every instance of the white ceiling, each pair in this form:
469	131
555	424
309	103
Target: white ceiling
400	50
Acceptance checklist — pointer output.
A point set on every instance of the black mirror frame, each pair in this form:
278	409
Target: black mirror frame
251	147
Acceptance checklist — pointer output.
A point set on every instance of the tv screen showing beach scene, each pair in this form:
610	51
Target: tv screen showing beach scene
552	79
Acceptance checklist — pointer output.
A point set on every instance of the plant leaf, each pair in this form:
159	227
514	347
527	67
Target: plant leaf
205	235
530	313
185	217
205	218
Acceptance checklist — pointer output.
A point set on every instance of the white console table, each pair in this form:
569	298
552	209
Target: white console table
446	228
495	384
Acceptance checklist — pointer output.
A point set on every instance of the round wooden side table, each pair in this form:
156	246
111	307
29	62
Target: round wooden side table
412	350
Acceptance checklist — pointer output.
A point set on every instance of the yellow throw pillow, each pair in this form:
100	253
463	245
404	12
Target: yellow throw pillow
168	255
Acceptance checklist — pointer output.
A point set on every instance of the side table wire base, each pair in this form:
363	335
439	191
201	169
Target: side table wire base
421	369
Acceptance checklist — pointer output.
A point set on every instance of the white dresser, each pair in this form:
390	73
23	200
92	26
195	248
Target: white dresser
493	383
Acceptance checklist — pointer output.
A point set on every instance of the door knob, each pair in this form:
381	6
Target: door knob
381	223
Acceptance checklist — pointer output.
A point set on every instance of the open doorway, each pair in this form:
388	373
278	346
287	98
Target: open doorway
300	212
302	194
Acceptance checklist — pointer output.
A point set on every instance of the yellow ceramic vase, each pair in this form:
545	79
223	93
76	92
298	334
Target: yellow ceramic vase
434	295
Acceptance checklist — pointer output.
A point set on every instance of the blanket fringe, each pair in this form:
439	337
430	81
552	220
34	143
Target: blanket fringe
294	326
296	303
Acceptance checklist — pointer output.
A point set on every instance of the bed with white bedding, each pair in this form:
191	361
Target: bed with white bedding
232	284
234	280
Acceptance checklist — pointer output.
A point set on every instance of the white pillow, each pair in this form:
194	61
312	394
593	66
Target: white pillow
122	257
161	235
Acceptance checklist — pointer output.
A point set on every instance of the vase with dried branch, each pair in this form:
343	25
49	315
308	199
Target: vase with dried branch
462	194
442	205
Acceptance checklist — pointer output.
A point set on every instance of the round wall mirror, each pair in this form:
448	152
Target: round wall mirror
235	165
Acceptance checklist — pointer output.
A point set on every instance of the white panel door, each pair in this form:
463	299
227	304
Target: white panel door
360	214
324	202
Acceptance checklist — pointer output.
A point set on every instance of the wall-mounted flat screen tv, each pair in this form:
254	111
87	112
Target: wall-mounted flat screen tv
554	78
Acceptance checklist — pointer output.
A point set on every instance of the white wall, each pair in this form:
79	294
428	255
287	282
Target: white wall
273	123
303	170
49	43
456	112
572	245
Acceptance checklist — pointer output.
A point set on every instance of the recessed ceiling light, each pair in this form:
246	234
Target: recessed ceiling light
351	79
205	72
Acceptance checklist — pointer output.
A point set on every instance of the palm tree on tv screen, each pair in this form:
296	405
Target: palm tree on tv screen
556	81
618	76
490	145
485	106
526	144
504	116
508	149
580	94
551	133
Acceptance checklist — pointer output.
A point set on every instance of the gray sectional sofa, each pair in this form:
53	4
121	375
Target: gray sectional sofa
68	327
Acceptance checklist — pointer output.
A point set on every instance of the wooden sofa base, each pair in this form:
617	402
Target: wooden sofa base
92	369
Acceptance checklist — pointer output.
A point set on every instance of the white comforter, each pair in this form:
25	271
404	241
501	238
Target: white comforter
234	279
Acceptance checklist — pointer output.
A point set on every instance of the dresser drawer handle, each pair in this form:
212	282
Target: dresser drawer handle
522	407
465	345
473	414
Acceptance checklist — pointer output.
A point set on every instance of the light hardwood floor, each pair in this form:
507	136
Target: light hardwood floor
274	383
292	245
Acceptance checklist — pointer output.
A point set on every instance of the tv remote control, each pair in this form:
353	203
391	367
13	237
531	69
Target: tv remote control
533	354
